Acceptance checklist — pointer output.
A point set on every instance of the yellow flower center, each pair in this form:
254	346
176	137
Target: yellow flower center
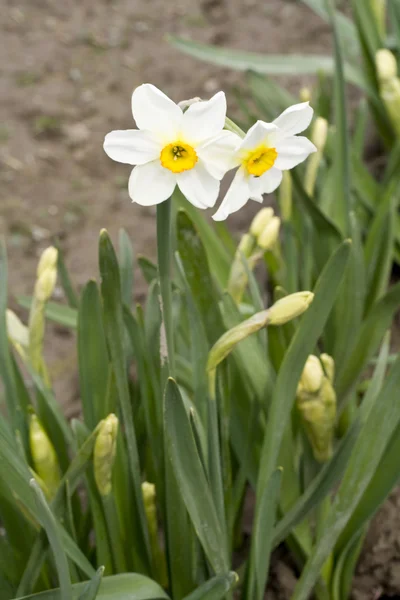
178	157
260	160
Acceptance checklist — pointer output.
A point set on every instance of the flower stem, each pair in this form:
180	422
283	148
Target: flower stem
164	265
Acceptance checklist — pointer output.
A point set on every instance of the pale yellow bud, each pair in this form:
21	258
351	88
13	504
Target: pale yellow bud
386	64
270	234
320	133
329	366
48	260
17	332
150	507
260	221
245	246
44	456
45	284
104	454
289	308
311	378
305	94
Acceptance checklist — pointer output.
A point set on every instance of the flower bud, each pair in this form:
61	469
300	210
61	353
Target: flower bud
44	456
270	234
289	307
305	94
17	332
319	133
150	508
311	378
48	260
104	454
386	64
245	246
260	221
45	284
329	366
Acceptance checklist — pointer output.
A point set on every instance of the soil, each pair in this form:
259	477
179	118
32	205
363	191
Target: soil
67	70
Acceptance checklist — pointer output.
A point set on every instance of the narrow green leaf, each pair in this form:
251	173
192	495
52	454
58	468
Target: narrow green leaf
65	279
269	64
58	313
216	588
126	266
92	588
113	323
92	356
49	524
129	586
181	447
262	538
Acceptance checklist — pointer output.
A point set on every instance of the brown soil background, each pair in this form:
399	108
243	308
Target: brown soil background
67	70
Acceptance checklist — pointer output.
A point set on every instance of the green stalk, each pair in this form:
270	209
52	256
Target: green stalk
114	533
164	263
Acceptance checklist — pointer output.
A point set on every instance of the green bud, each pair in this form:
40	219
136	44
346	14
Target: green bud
104	454
17	332
260	221
305	94
48	260
289	307
44	456
329	366
316	402
150	508
246	245
270	234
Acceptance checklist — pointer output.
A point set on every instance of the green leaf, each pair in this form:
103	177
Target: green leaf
342	142
194	260
216	588
129	586
148	268
49	524
65	278
114	327
93	360
269	64
367	341
189	472
126	267
262	537
59	313
92	588
381	424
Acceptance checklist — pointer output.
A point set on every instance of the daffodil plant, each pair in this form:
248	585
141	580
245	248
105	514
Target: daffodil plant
216	394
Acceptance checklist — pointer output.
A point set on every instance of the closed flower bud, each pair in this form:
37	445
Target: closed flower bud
289	307
270	234
305	94
150	507
386	64
311	378
245	246
329	366
320	133
45	284
260	221
16	330
44	456
48	260
104	454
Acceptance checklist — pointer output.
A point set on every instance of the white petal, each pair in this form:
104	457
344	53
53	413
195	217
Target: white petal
292	151
218	154
256	190
236	197
295	119
153	110
198	186
258	134
132	146
151	184
270	180
203	120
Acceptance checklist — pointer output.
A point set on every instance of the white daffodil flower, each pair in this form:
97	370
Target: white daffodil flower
266	151
174	147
